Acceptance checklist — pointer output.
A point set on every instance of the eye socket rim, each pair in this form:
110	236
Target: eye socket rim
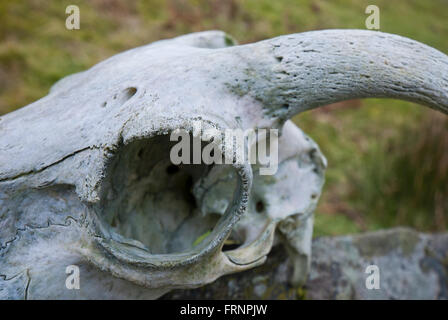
135	256
142	258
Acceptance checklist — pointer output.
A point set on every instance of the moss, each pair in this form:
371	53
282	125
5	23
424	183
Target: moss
301	293
201	238
333	224
229	40
382	243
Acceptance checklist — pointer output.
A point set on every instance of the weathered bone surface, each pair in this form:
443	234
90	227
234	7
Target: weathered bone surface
85	174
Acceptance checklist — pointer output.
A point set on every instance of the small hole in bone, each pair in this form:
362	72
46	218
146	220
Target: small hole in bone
234	241
118	99
230	246
130	92
259	206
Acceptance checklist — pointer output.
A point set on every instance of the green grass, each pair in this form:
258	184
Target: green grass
382	172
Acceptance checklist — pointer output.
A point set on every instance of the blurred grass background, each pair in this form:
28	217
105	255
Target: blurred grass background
388	160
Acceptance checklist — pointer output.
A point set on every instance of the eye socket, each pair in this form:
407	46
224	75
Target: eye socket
150	202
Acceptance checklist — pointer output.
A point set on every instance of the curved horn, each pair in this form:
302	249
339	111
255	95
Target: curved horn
298	72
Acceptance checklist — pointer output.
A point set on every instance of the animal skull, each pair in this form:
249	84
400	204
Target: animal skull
86	178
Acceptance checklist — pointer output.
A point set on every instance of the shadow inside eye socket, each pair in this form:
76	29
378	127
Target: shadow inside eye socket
259	206
172	169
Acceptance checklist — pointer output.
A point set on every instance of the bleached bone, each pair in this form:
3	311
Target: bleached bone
86	179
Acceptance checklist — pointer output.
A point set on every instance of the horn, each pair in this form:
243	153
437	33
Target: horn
303	71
